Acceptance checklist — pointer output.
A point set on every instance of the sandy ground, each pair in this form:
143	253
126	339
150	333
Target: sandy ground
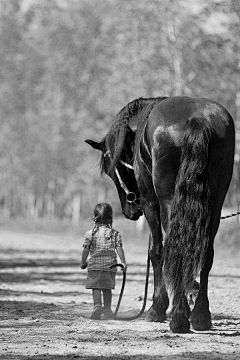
45	307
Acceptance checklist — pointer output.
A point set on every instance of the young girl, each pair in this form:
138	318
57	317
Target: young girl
103	243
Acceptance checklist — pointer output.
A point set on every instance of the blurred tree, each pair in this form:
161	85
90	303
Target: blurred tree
68	66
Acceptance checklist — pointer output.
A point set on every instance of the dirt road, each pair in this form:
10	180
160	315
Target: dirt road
45	307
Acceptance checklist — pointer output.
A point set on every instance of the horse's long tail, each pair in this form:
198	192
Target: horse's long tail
187	235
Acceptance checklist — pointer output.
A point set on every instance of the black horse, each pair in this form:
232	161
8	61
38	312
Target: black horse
172	159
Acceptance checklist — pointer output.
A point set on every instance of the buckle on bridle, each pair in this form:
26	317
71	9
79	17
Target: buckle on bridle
131	197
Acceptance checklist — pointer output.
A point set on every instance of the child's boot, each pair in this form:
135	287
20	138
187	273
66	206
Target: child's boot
107	301
97	301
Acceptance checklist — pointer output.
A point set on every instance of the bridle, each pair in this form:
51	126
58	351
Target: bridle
131	197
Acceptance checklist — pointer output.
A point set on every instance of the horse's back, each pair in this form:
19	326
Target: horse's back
177	111
172	121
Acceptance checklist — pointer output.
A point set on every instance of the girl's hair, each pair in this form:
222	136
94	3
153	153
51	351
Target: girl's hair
103	214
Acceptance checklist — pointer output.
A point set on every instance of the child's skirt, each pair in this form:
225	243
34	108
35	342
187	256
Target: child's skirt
100	279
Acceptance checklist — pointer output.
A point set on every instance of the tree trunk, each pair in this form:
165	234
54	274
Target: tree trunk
76	207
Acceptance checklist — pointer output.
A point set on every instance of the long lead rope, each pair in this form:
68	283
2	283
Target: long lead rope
122	290
146	283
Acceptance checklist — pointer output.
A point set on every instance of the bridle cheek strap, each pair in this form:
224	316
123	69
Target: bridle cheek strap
130	196
127	165
123	186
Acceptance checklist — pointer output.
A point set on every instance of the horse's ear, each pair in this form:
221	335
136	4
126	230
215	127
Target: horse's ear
94	144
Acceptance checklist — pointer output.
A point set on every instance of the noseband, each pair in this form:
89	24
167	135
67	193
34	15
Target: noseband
130	196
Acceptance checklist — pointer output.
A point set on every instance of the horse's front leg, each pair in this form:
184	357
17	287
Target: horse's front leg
157	311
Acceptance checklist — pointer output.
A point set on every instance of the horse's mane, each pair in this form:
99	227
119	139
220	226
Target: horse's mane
143	117
117	133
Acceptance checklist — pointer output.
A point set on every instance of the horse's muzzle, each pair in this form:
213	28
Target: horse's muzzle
133	212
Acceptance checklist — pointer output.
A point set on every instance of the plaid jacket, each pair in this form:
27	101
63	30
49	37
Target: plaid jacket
102	245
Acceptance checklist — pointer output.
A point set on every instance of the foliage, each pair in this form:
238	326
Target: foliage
68	66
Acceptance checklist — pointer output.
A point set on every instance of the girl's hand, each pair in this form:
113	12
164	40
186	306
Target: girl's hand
84	265
124	267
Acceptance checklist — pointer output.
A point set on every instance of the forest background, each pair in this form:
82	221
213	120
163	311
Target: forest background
69	66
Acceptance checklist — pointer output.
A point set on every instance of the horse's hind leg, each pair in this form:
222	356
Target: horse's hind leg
180	311
201	316
179	315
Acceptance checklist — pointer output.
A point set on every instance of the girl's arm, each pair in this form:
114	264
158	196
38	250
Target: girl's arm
85	253
121	254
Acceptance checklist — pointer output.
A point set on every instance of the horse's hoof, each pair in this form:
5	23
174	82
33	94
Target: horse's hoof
201	322
152	316
179	324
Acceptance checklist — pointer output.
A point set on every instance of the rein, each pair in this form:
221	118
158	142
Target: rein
127	165
130	196
228	216
134	317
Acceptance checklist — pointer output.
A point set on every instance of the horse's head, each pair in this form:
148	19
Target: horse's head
121	172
